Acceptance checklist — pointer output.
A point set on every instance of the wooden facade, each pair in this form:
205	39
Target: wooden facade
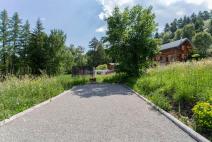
174	51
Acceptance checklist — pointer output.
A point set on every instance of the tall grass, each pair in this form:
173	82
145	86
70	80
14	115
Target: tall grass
182	84
17	95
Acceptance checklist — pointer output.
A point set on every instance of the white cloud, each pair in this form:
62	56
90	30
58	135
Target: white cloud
165	10
180	13
108	6
102	15
199	2
168	2
107	9
196	2
101	29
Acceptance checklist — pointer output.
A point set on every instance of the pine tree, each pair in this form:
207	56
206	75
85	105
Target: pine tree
201	15
167	28
180	23
157	35
15	25
4	37
93	45
37	49
23	51
193	18
206	15
173	26
188	20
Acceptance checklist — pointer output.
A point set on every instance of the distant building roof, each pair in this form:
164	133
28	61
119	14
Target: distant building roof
173	44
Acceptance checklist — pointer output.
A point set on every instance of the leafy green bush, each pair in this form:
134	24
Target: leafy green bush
203	116
102	67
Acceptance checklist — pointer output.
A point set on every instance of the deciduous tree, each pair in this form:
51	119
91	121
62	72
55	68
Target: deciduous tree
188	31
130	37
202	42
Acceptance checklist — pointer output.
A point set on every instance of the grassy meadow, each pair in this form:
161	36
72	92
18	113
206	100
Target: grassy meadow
17	95
180	85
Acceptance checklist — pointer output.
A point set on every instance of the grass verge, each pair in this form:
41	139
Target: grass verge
18	95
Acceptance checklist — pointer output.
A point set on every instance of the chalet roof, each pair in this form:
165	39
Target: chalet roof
173	44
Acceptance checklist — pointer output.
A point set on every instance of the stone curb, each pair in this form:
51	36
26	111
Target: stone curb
6	121
181	125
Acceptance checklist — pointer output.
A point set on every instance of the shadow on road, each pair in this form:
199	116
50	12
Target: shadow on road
100	90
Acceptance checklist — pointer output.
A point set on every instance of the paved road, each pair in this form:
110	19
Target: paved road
94	113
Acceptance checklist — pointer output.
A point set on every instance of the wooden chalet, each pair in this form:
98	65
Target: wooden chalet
175	51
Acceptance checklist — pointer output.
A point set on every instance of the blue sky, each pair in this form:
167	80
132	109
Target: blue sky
83	19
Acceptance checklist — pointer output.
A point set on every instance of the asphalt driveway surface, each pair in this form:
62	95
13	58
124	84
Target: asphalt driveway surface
94	113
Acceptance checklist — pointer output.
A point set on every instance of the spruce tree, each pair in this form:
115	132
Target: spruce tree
24	48
93	45
37	49
167	28
173	26
4	38
15	28
180	23
193	18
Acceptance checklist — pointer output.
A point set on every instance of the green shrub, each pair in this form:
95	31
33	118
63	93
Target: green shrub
102	67
203	116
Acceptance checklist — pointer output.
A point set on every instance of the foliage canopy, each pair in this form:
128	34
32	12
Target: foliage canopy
130	35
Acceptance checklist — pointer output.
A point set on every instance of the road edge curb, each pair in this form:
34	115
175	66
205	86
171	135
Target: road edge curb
177	122
20	114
